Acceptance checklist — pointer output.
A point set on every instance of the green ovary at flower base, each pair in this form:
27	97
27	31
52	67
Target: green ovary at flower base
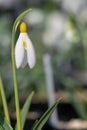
24	50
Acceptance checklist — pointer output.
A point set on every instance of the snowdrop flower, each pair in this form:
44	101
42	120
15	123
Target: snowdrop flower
24	50
74	6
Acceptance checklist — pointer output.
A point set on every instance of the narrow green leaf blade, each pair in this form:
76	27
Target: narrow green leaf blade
35	123
45	117
25	110
4	124
4	102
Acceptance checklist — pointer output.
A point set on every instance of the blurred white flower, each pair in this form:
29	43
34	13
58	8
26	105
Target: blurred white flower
36	16
24	50
54	28
73	5
55	21
49	38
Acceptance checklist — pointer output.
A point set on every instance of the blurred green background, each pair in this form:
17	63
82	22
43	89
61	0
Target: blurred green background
56	27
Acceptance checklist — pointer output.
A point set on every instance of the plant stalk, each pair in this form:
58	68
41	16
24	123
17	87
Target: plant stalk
15	81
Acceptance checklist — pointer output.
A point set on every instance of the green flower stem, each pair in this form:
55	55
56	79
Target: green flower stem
15	81
4	100
16	23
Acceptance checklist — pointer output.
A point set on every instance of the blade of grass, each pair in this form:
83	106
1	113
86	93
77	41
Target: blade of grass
4	124
25	110
5	107
39	124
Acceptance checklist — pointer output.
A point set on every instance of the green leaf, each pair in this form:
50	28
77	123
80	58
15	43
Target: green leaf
4	124
25	110
39	124
35	123
3	96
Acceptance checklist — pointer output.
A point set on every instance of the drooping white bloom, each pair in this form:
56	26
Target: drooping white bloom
24	50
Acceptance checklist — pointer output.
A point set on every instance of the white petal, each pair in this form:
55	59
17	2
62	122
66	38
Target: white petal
31	57
19	51
24	62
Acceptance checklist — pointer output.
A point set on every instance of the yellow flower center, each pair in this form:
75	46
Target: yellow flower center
23	27
25	44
